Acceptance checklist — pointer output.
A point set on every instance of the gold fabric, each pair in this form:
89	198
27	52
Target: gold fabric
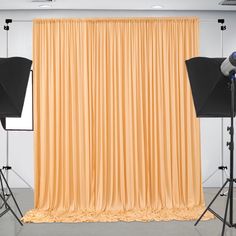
116	137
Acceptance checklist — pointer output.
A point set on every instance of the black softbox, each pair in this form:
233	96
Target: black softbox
14	75
210	88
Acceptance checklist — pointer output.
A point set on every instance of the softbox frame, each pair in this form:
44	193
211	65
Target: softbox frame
14	75
210	88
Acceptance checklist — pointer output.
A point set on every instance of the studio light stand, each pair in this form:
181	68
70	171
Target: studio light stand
212	83
231	180
7	166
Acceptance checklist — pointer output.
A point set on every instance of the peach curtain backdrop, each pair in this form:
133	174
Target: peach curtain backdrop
116	137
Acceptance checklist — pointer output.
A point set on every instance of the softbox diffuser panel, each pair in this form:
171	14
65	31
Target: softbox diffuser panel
210	88
14	75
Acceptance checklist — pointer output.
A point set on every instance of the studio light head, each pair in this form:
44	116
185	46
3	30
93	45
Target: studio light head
229	65
14	75
210	86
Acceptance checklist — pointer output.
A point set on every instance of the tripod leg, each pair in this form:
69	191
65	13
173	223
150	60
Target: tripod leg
211	202
5	202
9	189
3	193
226	208
226	192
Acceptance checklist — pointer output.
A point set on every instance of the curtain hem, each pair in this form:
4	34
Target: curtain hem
40	216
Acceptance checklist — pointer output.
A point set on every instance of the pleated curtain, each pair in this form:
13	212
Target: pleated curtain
116	134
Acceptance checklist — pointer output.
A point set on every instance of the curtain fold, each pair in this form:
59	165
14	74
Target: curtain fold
116	136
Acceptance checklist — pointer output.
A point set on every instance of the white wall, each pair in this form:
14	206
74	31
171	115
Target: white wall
20	43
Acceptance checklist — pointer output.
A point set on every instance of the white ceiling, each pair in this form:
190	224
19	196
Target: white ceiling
118	4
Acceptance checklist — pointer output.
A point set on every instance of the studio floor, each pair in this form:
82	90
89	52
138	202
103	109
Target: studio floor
10	227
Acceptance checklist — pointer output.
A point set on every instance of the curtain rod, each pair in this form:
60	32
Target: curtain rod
201	20
22	20
209	20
